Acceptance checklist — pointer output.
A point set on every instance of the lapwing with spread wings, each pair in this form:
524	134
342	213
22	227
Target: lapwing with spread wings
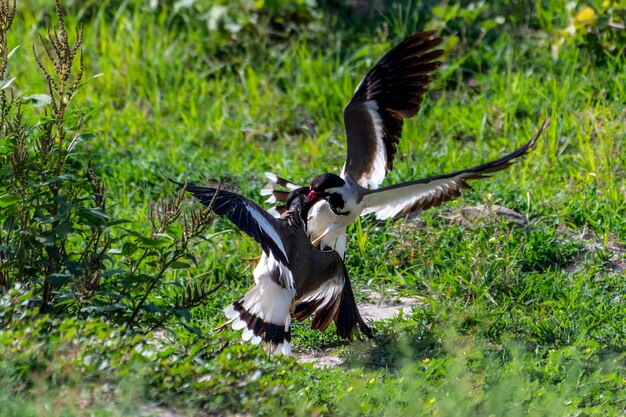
293	278
390	92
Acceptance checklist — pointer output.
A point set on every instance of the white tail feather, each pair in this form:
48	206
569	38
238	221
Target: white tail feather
272	177
238	324
269	303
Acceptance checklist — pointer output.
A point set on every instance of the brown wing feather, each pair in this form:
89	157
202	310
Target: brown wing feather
408	197
342	308
393	89
348	317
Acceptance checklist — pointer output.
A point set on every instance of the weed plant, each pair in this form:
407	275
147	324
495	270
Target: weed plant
61	251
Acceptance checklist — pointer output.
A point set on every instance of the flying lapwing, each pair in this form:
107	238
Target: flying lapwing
390	92
293	277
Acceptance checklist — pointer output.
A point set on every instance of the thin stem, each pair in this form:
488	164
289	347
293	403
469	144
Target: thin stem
177	254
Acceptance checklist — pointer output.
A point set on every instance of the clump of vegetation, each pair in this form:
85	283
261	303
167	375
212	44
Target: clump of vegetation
61	252
601	30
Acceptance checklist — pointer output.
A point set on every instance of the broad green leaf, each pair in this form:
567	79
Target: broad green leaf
112	272
152	243
128	248
180	265
151	308
94	217
8	199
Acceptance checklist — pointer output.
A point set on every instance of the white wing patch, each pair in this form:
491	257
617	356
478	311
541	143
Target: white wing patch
269	192
328	292
387	204
271	176
274	179
266	301
376	176
267	227
271	199
274	212
269	302
266	268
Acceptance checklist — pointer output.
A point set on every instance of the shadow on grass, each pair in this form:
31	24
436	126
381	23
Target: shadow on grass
392	346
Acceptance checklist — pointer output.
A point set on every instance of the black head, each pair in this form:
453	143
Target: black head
295	199
322	183
296	207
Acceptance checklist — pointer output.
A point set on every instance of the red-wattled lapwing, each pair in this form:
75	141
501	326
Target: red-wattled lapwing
389	93
293	276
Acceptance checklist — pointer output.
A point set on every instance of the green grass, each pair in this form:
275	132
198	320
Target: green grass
517	320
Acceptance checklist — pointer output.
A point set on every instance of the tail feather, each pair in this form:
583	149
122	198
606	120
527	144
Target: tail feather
348	317
343	311
276	195
264	316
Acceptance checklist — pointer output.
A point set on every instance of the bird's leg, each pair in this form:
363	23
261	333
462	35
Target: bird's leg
223	326
251	261
322	236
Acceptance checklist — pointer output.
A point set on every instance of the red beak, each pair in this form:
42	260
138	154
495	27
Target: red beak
312	195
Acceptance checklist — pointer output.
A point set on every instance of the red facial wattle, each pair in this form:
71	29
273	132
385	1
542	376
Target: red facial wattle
312	195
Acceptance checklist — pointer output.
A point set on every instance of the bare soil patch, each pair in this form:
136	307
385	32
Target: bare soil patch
374	307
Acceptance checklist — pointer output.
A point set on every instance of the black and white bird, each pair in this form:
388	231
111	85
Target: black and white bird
292	278
390	92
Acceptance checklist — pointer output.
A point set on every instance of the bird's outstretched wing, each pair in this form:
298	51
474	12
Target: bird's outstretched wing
412	196
390	92
248	216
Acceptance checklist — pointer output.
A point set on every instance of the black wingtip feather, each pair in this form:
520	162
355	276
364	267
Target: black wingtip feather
238	210
507	160
348	318
397	84
181	185
480	171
